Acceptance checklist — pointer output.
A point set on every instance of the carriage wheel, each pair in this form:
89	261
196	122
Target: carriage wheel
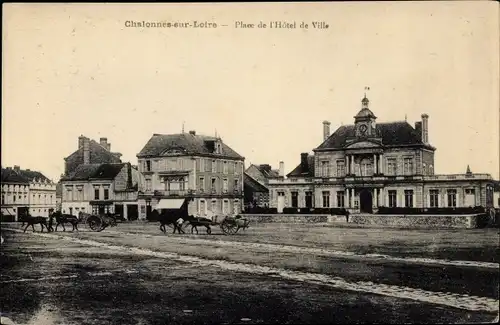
95	224
228	228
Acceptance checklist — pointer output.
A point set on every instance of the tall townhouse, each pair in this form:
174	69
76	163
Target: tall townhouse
198	172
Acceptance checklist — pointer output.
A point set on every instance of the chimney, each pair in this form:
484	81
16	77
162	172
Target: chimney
303	161
326	130
282	169
192	132
129	175
86	151
81	140
418	128
104	142
425	128
17	168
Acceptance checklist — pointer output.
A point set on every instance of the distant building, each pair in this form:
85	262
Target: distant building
257	195
26	191
201	171
262	173
102	188
368	165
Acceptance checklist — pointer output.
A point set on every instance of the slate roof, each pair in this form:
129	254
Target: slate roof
10	175
253	184
32	175
308	171
95	171
392	134
98	154
187	142
267	172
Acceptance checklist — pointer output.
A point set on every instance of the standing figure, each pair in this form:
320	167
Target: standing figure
51	220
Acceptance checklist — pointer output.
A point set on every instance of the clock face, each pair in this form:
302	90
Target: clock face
362	128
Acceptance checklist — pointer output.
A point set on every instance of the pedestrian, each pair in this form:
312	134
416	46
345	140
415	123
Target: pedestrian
51	220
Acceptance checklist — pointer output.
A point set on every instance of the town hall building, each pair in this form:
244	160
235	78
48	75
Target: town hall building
368	165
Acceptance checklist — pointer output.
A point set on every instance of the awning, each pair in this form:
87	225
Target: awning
170	203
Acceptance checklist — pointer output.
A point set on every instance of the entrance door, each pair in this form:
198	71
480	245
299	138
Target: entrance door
281	201
366	201
132	212
119	210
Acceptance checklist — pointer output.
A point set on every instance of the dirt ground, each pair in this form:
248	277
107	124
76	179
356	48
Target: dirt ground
272	274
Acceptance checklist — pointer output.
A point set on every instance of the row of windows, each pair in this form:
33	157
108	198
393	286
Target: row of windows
15	188
181	184
451	195
213	184
203	206
366	168
202	165
78	195
42	199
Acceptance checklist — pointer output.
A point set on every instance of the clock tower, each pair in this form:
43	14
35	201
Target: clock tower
364	121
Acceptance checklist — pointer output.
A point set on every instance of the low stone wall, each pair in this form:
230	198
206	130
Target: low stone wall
397	221
317	218
417	221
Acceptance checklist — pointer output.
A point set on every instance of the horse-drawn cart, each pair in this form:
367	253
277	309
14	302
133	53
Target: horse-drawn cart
97	222
229	225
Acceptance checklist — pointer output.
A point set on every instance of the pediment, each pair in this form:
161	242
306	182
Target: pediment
363	144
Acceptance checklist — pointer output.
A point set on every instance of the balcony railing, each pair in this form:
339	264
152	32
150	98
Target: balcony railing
289	180
458	177
173	192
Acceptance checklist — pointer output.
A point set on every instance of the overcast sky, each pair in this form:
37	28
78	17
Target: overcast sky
76	69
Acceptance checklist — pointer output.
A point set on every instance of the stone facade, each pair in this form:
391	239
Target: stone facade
27	191
368	165
102	188
199	168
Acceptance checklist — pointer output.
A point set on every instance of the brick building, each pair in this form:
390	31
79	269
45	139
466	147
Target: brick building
200	170
25	191
368	165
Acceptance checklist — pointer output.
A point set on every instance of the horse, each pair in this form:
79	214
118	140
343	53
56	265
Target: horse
241	223
167	219
200	221
61	219
32	221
